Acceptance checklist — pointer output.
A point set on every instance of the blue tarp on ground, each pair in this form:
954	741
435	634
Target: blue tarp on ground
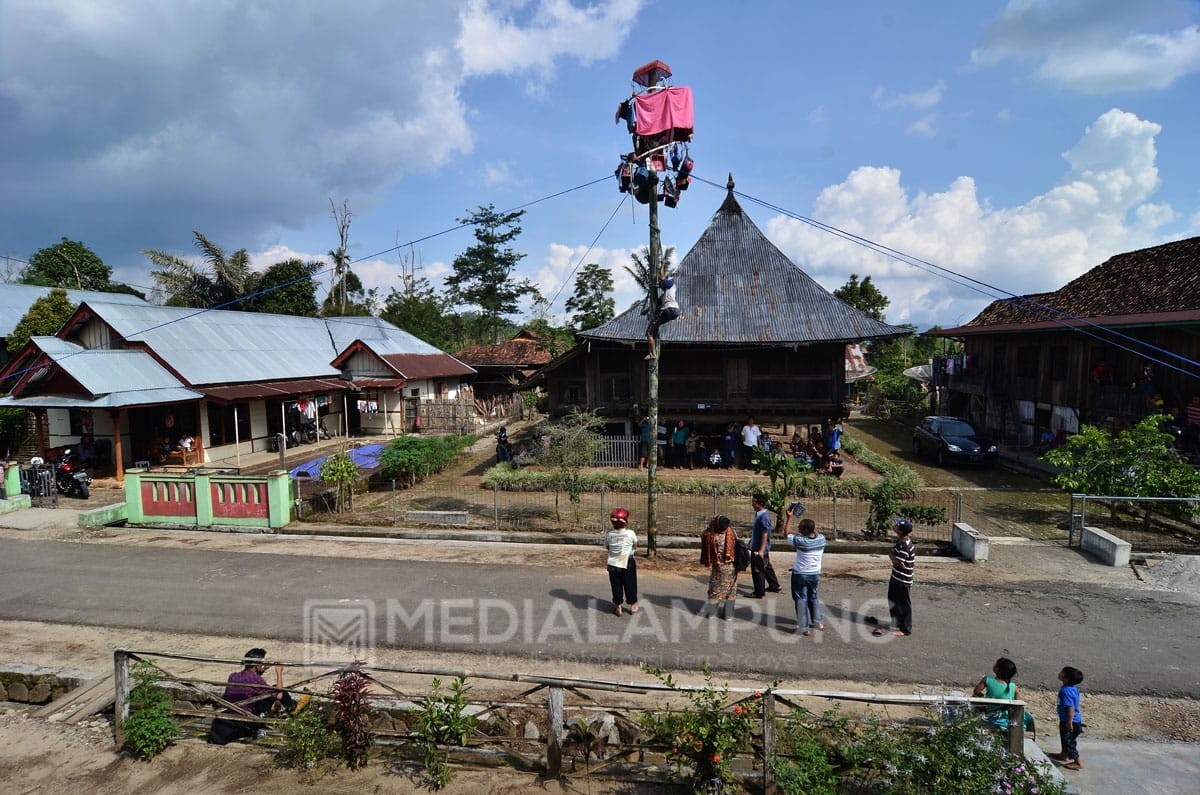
365	457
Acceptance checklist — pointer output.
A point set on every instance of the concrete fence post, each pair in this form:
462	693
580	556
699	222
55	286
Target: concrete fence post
1016	729
12	479
133	496
279	498
121	695
554	733
768	735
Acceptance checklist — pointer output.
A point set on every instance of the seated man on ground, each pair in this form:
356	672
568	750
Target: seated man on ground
249	690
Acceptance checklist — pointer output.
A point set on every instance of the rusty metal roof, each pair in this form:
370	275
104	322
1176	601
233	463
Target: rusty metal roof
736	288
1160	284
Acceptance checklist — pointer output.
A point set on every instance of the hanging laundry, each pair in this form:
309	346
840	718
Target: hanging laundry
624	174
667	110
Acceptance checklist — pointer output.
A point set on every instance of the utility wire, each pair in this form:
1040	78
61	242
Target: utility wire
322	272
1052	314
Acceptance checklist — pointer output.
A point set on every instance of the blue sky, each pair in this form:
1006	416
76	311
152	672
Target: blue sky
1020	144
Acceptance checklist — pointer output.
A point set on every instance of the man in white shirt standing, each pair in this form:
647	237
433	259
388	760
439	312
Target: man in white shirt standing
750	436
806	571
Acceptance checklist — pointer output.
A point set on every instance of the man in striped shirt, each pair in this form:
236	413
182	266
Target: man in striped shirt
903	555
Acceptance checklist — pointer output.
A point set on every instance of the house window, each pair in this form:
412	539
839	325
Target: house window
1027	361
619	388
221	424
572	394
415	391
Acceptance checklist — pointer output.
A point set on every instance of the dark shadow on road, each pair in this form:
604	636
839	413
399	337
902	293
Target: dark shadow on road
583	601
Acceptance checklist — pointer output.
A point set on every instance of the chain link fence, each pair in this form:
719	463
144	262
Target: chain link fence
1149	524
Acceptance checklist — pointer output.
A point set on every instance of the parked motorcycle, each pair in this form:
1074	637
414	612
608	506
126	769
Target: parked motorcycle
71	476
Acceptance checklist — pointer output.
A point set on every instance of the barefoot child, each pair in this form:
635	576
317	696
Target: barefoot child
1070	718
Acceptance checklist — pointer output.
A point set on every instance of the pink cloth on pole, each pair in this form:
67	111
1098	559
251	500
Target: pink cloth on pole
668	109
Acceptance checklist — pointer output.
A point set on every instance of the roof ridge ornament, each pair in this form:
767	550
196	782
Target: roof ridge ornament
729	184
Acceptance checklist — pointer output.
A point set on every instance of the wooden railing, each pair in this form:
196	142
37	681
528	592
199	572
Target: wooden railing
548	694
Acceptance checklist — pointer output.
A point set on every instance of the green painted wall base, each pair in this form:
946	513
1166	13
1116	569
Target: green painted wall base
105	515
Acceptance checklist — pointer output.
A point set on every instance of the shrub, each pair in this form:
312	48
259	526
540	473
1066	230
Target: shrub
352	715
803	749
307	738
150	728
340	470
442	720
963	757
410	459
702	737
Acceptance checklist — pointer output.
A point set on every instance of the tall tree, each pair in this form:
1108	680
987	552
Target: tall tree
339	287
46	316
864	296
483	274
592	302
73	266
288	288
421	312
220	280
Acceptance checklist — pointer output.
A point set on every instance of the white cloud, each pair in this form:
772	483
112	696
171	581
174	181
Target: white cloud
1097	46
1004	115
496	173
1099	208
494	41
913	100
562	263
817	115
924	127
141	121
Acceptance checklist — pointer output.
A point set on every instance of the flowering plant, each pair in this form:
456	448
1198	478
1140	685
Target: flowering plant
703	736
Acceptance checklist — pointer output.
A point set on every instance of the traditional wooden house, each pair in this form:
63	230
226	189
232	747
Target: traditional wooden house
1098	350
756	336
501	367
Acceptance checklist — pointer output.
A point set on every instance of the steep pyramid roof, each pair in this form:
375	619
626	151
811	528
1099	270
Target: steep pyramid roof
735	287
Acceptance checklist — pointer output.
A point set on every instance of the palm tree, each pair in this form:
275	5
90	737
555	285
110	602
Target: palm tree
640	271
220	280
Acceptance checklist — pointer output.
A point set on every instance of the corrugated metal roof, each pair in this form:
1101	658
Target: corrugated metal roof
735	287
107	376
415	366
15	300
222	347
114	400
382	336
103	372
276	389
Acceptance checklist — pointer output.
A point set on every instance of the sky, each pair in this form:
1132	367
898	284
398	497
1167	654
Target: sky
1018	144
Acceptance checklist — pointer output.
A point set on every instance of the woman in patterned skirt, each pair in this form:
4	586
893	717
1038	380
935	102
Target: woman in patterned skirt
716	551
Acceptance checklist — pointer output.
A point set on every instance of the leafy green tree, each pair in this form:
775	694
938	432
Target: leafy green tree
420	311
73	266
864	296
553	339
219	280
349	298
288	288
483	274
68	264
1137	462
592	302
45	317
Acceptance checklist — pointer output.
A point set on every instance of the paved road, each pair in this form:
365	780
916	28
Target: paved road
1126	643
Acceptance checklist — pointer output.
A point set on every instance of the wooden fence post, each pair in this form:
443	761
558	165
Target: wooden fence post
768	735
554	734
121	702
1016	729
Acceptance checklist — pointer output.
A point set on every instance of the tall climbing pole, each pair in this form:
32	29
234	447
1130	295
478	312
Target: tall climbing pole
660	117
